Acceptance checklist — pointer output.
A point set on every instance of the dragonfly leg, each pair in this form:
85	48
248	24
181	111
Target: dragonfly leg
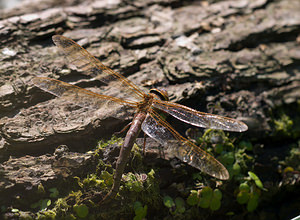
123	129
144	144
161	152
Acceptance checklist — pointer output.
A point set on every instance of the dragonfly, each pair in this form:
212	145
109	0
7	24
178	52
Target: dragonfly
147	117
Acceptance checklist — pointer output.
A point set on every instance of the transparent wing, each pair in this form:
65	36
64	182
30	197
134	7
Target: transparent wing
200	119
77	95
178	146
86	62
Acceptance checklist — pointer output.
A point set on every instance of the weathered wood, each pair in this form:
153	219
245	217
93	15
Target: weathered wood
22	176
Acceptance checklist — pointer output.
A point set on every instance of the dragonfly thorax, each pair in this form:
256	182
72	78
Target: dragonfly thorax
146	103
159	94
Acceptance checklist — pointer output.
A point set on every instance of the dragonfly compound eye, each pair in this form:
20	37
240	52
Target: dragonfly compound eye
161	93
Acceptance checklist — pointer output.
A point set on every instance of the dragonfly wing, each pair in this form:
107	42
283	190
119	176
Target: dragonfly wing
76	95
200	119
90	65
178	146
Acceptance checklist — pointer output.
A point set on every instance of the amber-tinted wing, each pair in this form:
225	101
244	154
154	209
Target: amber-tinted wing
200	119
87	63
178	146
76	95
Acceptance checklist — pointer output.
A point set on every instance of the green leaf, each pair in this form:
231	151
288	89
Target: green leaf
244	187
204	202
236	168
193	198
230	213
107	177
41	189
206	192
151	174
181	209
139	210
137	186
35	205
137	217
253	202
137	205
168	202
257	181
228	158
197	176
217	194
246	145
81	210
242	197
205	197
252	175
45	203
180	204
215	204
219	148
54	192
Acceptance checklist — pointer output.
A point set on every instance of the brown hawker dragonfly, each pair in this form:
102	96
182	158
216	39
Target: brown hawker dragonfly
147	112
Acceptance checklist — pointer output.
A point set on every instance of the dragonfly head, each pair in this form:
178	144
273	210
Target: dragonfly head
161	94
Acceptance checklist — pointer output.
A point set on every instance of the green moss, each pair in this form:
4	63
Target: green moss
286	121
49	214
103	144
283	125
293	158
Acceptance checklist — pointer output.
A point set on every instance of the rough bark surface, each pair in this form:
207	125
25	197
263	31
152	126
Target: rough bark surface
236	58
